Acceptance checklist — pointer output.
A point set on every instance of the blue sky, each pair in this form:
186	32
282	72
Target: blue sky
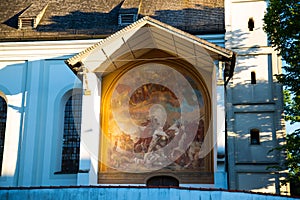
290	128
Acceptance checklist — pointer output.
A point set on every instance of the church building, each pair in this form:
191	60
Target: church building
139	93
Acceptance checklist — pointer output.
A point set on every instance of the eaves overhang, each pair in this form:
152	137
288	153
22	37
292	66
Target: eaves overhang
147	34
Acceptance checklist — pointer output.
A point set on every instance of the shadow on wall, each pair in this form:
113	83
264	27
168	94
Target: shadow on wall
258	182
28	90
255	159
12	84
256	106
12	79
261	92
235	40
242	64
246	62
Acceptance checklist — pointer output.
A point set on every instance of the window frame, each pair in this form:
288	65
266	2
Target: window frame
69	102
127	21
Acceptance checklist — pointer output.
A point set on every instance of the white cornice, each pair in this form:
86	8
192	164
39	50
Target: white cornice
43	49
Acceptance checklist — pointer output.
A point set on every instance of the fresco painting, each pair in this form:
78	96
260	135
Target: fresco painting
154	124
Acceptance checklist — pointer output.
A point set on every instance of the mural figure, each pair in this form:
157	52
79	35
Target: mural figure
152	126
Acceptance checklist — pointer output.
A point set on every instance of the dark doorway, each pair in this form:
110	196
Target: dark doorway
163	181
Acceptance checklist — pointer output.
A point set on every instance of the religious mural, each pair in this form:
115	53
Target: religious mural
154	121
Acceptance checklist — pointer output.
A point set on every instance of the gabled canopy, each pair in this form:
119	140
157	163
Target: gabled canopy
139	38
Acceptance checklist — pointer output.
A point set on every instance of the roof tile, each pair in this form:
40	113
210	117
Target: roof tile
99	18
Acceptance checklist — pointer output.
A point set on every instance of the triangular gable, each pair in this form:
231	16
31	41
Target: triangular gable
136	39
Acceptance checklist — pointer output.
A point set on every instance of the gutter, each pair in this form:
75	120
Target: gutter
229	69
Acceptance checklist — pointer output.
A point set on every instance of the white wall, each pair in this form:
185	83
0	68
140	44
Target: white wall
252	105
36	99
12	88
34	80
237	14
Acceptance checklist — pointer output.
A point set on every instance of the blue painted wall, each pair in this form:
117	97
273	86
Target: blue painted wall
132	193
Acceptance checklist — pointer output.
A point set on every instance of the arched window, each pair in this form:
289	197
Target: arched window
71	137
3	113
162	181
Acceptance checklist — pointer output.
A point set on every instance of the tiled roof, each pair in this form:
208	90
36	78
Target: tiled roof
99	18
227	54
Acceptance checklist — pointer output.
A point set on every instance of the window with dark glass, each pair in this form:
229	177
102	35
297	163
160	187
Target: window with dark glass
3	114
71	138
254	136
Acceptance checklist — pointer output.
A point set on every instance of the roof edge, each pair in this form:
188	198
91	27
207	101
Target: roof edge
225	53
73	60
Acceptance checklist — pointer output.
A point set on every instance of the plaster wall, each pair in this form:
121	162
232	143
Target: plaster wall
249	105
36	84
134	193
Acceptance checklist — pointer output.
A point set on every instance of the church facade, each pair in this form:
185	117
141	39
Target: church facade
141	93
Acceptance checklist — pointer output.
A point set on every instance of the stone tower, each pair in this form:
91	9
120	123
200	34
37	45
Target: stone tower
254	100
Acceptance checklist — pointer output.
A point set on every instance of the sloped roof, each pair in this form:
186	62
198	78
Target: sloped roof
99	18
144	35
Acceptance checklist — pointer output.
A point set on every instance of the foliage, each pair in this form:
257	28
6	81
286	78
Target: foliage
292	162
291	107
282	24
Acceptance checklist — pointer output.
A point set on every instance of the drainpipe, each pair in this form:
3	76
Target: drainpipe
228	74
